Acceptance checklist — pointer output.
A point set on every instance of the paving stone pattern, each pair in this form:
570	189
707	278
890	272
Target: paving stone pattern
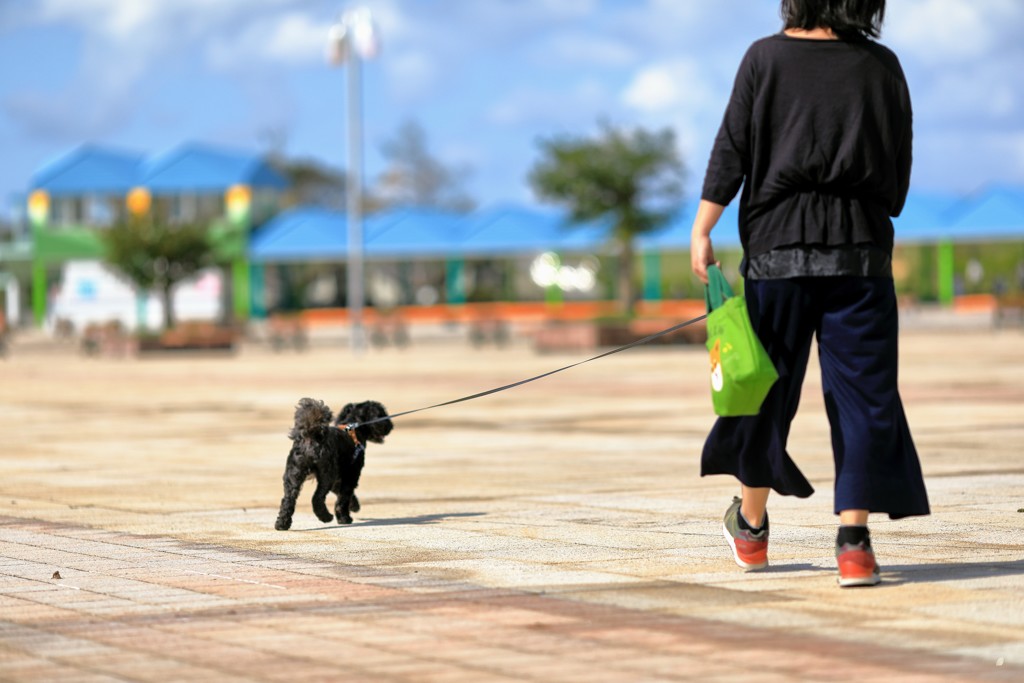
556	532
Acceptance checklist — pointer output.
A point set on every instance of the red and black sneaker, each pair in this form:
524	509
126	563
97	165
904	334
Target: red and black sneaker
857	566
749	547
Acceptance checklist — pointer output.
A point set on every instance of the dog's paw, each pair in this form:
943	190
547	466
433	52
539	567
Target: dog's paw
283	524
353	504
324	517
346	519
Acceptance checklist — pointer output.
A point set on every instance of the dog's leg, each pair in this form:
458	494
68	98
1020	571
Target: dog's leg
343	504
351	480
293	478
319	500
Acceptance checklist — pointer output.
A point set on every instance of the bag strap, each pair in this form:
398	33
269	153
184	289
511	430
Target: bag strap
717	290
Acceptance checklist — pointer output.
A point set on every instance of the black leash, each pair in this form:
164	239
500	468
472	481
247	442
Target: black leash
353	425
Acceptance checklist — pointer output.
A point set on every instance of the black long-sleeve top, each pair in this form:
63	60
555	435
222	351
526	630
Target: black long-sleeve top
818	133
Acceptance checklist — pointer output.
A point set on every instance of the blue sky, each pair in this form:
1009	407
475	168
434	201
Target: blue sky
484	78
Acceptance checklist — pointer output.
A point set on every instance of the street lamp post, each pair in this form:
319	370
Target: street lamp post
353	39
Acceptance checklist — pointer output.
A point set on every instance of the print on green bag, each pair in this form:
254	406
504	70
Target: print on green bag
741	371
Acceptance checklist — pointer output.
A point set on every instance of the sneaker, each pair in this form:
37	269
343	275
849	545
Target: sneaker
857	566
749	549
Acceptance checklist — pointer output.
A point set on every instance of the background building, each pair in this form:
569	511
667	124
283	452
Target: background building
74	198
271	260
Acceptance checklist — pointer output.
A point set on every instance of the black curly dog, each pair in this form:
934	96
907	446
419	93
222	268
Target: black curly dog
335	456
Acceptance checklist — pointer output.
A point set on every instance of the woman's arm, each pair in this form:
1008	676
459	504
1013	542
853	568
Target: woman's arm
728	166
701	252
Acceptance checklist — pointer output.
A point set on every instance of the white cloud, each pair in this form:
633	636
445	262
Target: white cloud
292	38
653	89
686	95
134	31
412	74
542	65
948	31
679	85
576	48
109	17
530	15
960	94
125	41
125	20
580	104
297	38
964	61
959	159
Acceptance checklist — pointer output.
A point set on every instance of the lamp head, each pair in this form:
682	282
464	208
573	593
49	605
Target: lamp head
354	35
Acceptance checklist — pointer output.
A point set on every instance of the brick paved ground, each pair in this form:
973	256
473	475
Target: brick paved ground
556	532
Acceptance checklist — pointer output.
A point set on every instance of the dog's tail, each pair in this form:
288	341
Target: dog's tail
312	420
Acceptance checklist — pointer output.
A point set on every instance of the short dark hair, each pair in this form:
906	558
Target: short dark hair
847	18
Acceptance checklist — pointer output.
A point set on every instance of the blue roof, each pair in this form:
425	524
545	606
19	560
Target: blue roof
89	169
414	232
996	212
308	233
676	235
923	217
301	234
509	230
202	168
993	212
519	229
410	233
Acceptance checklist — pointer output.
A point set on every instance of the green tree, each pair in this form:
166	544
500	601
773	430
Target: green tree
311	183
154	255
633	180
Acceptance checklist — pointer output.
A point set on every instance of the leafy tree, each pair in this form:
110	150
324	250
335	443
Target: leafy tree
632	179
311	183
415	177
156	255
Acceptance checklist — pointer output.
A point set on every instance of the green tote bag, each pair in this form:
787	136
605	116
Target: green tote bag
741	371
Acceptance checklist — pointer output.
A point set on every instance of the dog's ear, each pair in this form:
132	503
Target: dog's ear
347	414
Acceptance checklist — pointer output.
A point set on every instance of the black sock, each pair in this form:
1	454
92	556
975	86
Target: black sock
745	525
852	535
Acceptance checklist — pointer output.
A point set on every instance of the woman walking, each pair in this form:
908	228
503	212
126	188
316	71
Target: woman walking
817	133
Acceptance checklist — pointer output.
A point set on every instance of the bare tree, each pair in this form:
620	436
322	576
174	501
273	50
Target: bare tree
415	177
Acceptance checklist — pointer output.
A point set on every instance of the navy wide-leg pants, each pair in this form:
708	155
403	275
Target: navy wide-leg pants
856	323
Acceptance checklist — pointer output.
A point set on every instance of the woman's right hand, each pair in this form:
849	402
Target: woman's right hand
702	255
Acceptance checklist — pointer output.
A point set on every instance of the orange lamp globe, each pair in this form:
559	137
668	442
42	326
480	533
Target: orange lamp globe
138	201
